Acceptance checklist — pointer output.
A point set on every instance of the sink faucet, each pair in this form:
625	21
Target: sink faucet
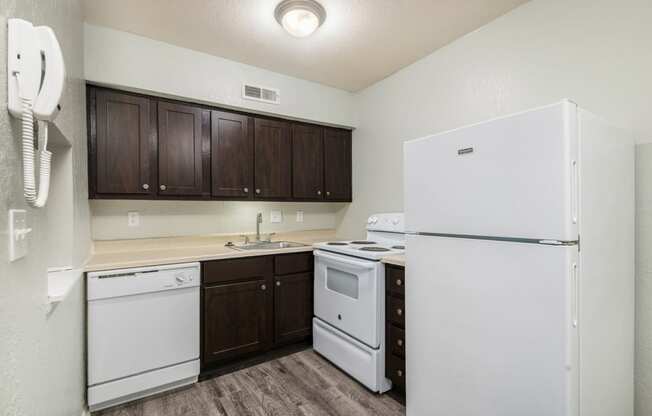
259	220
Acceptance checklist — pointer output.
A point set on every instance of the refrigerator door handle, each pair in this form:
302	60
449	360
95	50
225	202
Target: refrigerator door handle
574	191
575	295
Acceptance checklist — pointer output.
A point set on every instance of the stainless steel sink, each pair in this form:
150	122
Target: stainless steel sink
267	245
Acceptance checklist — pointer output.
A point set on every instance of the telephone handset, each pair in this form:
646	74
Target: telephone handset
36	76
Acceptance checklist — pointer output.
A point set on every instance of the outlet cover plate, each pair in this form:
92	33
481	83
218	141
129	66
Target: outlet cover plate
275	216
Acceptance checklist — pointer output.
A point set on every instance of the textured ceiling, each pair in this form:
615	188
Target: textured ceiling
361	42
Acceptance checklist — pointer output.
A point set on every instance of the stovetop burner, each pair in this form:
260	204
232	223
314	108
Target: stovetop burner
398	247
363	242
373	249
337	243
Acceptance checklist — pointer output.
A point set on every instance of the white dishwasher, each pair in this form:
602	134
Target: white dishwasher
143	332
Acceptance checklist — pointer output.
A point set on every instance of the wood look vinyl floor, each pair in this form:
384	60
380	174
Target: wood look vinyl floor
300	384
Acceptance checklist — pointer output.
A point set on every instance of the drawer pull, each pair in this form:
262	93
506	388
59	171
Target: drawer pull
399	312
399	282
263	287
278	283
399	342
245	190
399	373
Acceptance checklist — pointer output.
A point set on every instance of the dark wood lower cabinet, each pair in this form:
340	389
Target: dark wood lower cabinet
254	304
395	328
293	307
239	319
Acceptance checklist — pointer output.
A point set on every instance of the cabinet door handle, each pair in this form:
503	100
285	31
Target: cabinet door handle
245	190
318	192
399	373
399	342
399	312
258	190
328	193
263	287
145	186
163	187
278	283
399	282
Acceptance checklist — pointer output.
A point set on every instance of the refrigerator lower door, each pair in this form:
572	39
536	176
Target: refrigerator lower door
491	328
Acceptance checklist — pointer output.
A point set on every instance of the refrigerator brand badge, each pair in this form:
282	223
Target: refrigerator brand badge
465	151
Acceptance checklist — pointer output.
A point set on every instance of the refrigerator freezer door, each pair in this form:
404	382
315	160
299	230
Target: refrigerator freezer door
512	177
491	328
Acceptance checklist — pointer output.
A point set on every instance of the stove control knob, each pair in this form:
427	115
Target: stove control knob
395	221
370	220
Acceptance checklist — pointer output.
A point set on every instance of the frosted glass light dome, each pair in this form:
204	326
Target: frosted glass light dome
300	18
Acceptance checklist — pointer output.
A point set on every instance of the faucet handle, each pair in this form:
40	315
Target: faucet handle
269	236
246	238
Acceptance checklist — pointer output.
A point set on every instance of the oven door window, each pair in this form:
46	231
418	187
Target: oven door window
342	282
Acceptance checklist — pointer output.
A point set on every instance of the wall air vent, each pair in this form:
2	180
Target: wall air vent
263	94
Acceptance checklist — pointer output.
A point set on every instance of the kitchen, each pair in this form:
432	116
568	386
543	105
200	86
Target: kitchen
161	157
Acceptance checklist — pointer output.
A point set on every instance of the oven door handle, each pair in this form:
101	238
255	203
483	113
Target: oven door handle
363	264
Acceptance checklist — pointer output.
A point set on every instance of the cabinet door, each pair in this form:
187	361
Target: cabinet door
232	155
236	319
180	149
337	164
293	307
123	151
307	162
273	154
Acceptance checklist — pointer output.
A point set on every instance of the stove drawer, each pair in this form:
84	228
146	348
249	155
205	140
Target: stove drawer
396	311
395	280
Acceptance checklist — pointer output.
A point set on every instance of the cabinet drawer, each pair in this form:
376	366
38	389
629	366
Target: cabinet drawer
397	311
293	263
396	341
395	282
396	371
233	270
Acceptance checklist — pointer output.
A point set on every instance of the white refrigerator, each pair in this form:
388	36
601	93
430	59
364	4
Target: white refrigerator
520	268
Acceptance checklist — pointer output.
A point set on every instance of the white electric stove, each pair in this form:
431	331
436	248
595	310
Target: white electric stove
349	322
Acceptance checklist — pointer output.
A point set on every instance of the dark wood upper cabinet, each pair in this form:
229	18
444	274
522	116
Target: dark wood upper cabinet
232	155
120	149
180	137
337	164
307	162
236	319
293	307
143	147
272	159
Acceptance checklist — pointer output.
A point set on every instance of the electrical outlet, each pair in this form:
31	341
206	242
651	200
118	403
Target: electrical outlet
133	219
275	216
299	216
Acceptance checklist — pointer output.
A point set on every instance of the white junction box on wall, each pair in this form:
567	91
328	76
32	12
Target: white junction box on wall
18	231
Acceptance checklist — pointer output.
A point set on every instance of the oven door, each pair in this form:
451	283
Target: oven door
348	295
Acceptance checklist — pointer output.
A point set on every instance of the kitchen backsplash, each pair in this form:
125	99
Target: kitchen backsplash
110	219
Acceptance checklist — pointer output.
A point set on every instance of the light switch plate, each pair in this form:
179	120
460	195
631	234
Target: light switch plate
18	232
275	216
299	216
133	219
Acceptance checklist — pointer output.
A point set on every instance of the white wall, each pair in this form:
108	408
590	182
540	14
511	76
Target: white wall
121	59
597	52
42	350
176	218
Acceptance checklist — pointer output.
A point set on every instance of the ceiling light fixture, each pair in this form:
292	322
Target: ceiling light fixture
300	18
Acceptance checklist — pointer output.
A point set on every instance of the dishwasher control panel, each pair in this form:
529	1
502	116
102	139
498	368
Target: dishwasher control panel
124	282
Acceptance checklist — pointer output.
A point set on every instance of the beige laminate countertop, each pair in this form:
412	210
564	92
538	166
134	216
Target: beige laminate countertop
120	254
396	260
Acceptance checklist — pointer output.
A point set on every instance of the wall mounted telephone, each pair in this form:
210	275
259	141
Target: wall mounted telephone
36	75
